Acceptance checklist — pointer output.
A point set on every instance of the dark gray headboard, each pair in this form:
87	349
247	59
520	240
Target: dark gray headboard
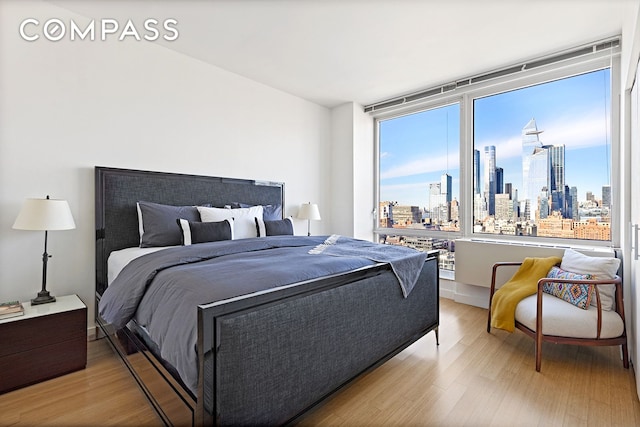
118	190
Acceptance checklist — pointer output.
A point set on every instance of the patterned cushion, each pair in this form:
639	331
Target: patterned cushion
576	294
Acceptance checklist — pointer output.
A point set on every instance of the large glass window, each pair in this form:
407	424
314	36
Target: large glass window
419	175
524	154
544	154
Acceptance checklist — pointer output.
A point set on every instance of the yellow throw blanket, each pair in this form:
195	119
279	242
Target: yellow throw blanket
523	283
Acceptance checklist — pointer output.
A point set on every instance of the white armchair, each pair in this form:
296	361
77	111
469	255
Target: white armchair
545	317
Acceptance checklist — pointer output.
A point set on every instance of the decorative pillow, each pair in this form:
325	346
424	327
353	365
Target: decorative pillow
244	225
269	212
201	232
282	227
272	212
157	223
600	268
576	294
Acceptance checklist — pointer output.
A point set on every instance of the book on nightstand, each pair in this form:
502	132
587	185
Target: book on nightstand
11	309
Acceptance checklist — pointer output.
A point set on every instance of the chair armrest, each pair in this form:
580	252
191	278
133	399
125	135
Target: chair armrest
494	273
493	285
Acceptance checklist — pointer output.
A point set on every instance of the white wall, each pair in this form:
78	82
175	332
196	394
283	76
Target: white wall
350	172
629	61
340	170
363	172
66	107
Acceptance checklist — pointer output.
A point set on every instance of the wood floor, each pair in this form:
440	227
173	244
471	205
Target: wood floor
471	379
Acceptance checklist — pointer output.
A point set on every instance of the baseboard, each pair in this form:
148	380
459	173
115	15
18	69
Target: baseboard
91	333
477	296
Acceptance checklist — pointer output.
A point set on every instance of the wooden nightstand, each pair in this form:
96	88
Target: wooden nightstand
49	340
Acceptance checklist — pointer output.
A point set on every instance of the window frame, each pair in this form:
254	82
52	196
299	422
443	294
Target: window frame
465	96
442	102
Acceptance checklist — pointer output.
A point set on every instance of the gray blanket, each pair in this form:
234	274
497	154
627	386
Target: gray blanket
163	289
406	264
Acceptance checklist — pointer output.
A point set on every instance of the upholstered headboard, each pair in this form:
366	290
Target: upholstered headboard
118	190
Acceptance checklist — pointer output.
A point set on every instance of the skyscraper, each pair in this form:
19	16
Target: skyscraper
530	140
546	173
445	186
575	213
538	183
606	196
508	189
499	180
476	171
556	163
557	178
440	196
490	178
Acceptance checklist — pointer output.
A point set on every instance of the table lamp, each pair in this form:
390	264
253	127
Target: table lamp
309	212
44	215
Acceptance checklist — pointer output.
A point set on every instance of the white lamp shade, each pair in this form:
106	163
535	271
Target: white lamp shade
44	214
309	211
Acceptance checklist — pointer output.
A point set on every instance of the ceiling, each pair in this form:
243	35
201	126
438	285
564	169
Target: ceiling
335	51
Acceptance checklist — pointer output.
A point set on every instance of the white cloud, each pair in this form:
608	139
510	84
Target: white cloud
422	166
588	131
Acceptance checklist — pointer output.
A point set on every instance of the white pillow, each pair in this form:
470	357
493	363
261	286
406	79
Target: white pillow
601	268
244	219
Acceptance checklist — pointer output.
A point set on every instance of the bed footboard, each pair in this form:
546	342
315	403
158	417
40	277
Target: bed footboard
268	359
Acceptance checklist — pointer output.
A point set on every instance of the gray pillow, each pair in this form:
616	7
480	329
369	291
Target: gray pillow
283	227
269	212
202	232
157	223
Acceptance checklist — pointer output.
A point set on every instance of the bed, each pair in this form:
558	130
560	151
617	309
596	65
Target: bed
262	355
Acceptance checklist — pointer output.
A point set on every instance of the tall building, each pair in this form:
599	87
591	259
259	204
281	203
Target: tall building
543	210
546	169
575	213
557	179
499	180
537	180
606	196
508	189
490	178
504	207
445	186
556	164
530	141
440	196
476	171
435	200
455	210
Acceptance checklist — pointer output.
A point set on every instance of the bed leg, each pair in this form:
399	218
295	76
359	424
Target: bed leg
437	335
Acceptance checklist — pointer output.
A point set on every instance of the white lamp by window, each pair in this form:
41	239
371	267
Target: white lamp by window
309	212
44	215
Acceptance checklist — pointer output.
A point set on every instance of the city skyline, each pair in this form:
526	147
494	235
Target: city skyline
415	150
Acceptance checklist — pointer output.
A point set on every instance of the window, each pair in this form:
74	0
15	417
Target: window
545	156
419	178
521	154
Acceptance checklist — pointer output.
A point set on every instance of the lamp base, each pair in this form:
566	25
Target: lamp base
43	298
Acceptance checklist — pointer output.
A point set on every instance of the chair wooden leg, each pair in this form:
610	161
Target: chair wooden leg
538	351
489	320
625	356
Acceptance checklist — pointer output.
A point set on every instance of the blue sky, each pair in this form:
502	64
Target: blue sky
415	150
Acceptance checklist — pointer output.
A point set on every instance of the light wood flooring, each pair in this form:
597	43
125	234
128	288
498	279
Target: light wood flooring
471	379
